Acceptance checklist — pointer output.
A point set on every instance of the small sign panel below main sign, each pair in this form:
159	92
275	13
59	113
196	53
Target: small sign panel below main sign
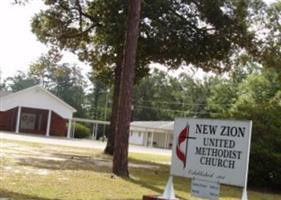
212	150
205	189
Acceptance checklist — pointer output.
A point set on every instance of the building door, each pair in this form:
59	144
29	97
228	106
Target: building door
28	121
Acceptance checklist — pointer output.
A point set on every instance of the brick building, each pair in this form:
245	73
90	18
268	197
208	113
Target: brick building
35	110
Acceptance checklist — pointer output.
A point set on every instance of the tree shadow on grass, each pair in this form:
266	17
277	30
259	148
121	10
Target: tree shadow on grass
147	178
150	179
153	179
60	161
97	163
155	183
9	195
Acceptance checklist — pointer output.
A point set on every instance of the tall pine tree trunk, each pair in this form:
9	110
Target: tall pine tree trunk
120	156
113	119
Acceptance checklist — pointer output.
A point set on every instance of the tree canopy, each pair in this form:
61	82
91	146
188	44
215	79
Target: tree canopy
161	96
203	33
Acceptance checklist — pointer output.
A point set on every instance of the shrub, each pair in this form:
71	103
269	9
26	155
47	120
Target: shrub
81	131
265	169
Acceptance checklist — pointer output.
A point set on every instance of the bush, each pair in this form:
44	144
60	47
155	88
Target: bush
265	169
265	158
81	131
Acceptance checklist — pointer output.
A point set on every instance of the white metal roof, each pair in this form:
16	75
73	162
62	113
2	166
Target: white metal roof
153	126
143	126
36	97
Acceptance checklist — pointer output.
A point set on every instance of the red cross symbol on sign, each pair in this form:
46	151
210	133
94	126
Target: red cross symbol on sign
183	135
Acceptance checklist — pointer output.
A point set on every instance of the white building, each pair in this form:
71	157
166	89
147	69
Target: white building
35	110
152	133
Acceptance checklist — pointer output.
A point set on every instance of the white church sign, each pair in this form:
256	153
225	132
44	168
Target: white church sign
212	150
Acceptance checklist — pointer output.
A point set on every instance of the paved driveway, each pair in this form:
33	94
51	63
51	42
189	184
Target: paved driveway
84	143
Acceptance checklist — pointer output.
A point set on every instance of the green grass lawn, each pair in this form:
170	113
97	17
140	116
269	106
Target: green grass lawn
32	171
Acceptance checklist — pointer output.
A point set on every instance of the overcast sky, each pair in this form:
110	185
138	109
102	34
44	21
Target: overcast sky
18	46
